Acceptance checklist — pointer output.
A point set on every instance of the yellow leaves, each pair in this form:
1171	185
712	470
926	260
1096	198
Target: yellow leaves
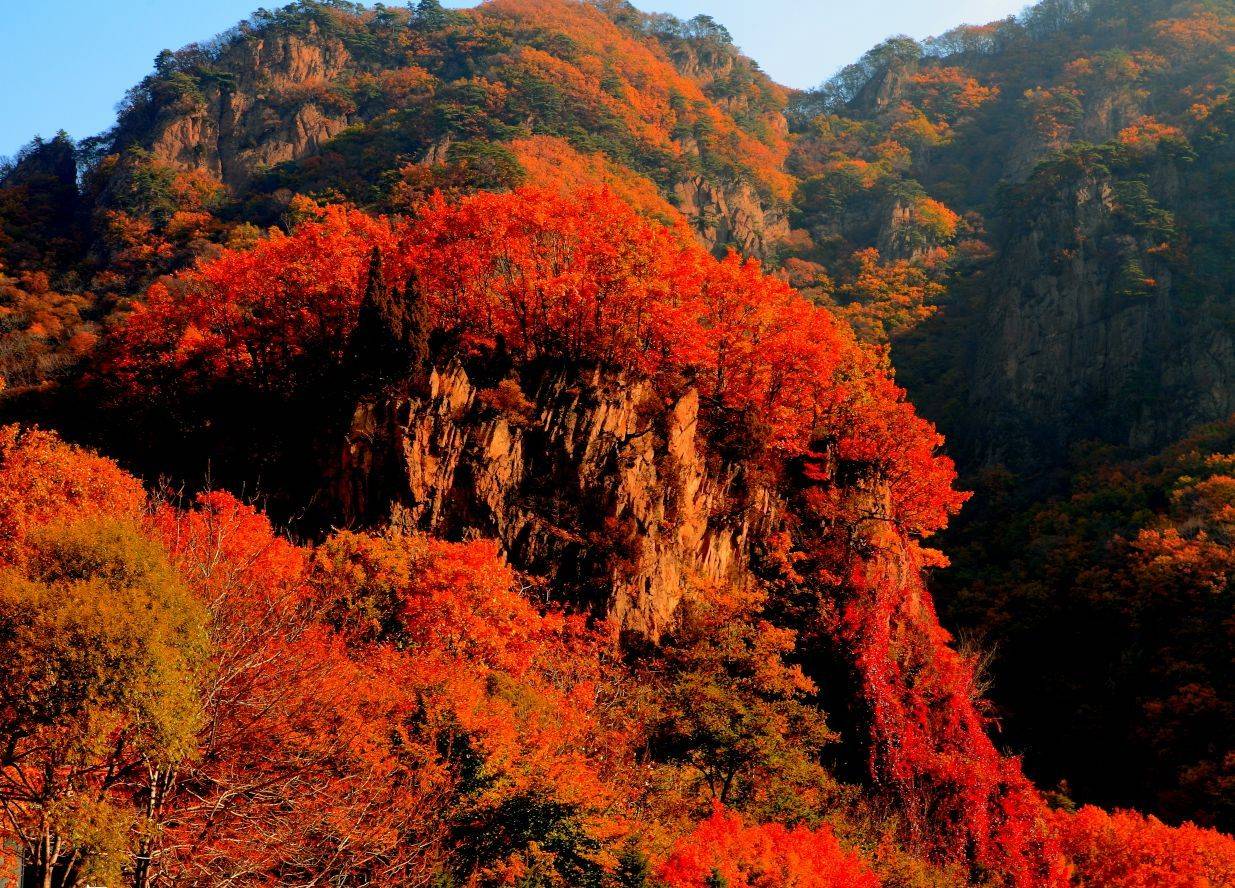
883	298
916	130
103	652
939	221
99	831
116	595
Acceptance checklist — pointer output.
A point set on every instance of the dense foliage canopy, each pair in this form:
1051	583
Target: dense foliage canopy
190	694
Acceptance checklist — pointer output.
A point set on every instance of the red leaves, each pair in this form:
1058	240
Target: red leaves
582	278
253	315
357	693
762	856
43	480
1128	850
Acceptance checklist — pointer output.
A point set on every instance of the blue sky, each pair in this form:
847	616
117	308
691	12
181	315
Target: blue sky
66	63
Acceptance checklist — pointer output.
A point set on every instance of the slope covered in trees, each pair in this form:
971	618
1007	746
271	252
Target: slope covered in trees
1125	575
434	274
381	107
390	708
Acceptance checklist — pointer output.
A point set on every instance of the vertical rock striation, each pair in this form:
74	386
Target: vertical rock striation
595	483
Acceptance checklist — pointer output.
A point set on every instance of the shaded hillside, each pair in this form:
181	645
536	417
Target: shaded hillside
1084	149
1084	302
1125	578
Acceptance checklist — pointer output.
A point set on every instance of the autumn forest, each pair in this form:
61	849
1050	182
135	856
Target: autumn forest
528	446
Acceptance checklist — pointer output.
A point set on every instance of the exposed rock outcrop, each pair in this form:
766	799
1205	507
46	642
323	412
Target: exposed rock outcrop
731	215
277	98
619	499
260	115
594	483
1087	337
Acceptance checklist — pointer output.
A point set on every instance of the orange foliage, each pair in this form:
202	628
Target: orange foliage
316	91
195	190
43	481
350	688
354	688
950	92
1203	30
762	856
552	164
1053	112
1129	850
257	312
401	85
582	278
650	96
1147	133
43	327
939	221
456	610
885	298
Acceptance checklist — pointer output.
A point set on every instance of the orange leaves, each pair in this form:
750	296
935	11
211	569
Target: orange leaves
453	600
254	313
233	558
581	277
370	695
473	650
935	216
43	481
552	164
883	299
762	856
949	92
611	77
1201	31
1147	133
1128	850
588	278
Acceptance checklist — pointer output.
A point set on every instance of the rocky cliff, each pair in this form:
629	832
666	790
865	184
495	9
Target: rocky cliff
258	112
1090	327
730	214
590	480
621	500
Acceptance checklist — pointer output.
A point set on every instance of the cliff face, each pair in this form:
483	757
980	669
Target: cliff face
254	119
1088	332
618	499
594	483
730	214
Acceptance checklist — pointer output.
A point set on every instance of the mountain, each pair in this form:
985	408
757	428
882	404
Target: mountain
503	521
1103	311
1077	350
